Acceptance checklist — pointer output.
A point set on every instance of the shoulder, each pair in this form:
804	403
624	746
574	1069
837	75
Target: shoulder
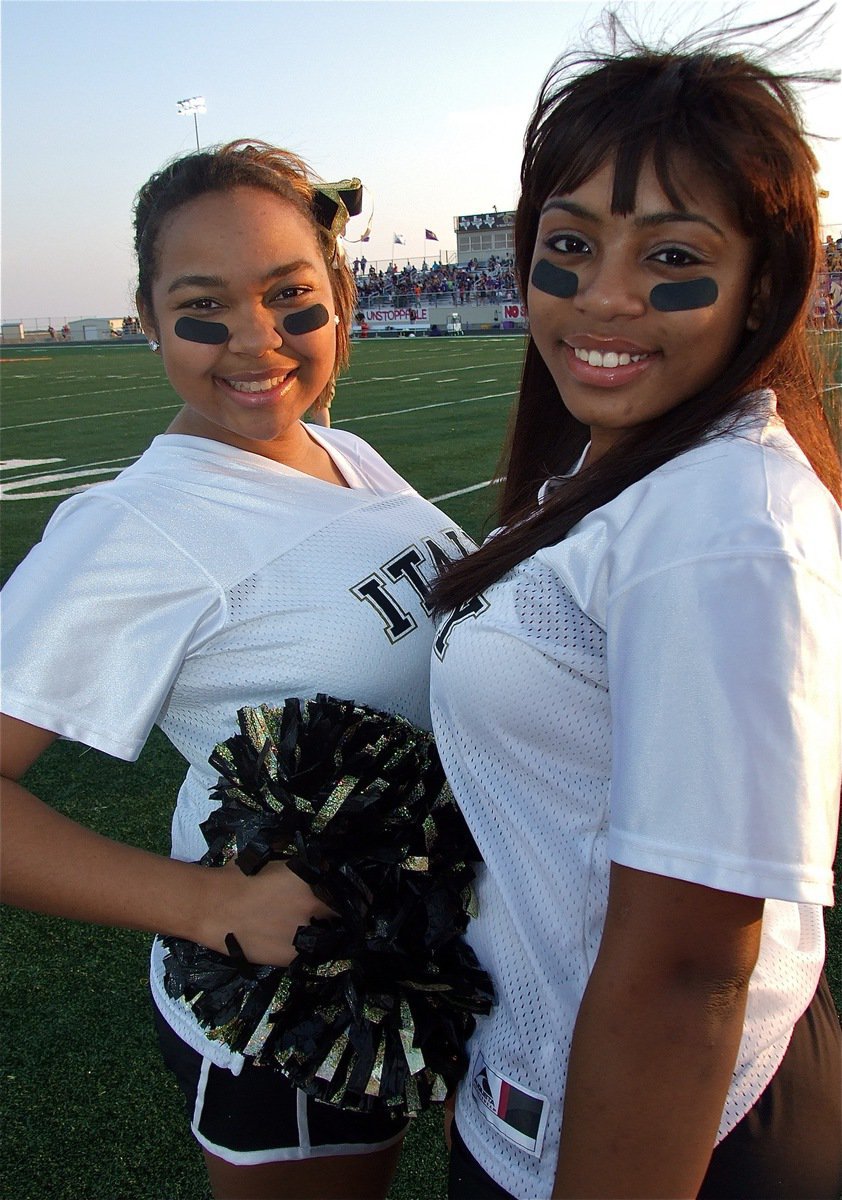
193	505
223	511
142	509
751	491
102	545
746	494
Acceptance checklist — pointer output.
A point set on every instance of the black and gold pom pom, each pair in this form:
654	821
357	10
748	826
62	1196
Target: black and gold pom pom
374	1012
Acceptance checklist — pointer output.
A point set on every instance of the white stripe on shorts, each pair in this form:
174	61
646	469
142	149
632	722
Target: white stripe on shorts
255	1158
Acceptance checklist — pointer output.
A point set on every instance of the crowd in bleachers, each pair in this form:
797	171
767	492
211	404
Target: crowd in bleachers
470	283
827	305
438	283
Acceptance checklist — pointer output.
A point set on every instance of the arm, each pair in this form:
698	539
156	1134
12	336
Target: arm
51	864
656	1038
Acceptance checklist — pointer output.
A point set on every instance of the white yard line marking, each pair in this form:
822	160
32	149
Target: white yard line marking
116	464
421	408
153	381
140	387
15	464
513	362
475	487
15	485
18	489
120	412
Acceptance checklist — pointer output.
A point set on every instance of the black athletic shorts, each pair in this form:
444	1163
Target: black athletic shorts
788	1146
259	1117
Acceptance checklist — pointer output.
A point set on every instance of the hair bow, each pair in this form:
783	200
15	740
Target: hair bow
334	203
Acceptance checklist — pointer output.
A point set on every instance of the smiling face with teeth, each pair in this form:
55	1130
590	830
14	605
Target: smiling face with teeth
244	266
621	347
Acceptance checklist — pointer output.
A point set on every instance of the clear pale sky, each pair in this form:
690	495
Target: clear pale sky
424	100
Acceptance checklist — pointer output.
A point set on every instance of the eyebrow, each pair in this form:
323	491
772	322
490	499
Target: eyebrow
644	222
217	281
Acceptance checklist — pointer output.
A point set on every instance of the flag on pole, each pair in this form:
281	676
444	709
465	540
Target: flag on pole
429	236
399	240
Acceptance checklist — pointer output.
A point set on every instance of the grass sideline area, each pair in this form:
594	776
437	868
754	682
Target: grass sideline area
88	1112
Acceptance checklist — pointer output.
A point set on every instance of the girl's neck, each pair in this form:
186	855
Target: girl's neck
296	449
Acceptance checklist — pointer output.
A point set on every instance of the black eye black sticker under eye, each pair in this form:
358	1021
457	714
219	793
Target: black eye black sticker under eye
306	320
555	281
682	297
207	333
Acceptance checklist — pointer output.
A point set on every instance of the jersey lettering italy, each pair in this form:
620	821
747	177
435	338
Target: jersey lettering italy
380	591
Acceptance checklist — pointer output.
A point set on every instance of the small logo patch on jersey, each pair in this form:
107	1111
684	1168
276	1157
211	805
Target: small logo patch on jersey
514	1111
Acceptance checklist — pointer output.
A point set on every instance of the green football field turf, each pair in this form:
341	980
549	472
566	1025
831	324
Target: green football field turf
436	408
87	1112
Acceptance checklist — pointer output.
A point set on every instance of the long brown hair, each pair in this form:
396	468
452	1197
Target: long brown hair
736	120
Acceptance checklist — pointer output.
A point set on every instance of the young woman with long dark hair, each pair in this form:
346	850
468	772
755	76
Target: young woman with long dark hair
636	680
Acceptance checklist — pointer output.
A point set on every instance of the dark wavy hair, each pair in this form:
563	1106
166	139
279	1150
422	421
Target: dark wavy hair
243	163
739	124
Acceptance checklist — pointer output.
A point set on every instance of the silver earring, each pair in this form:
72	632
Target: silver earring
336	320
154	346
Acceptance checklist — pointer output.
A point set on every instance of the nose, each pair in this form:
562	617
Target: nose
252	331
610	288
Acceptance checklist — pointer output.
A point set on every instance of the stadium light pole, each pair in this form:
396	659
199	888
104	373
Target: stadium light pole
194	105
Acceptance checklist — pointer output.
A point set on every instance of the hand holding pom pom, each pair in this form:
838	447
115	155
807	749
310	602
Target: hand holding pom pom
262	912
375	1010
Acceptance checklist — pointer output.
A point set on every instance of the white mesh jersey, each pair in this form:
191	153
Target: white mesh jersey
660	689
205	578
